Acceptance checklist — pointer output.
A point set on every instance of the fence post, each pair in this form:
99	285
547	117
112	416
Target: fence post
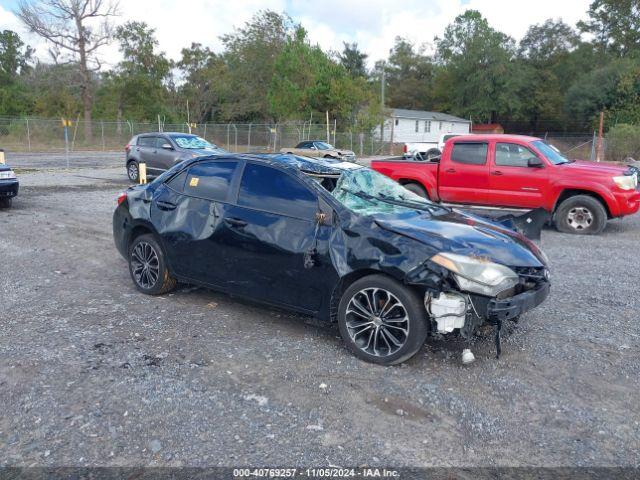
102	131
361	143
249	139
235	130
228	140
28	135
204	135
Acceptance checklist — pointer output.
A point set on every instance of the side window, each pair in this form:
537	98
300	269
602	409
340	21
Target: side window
469	153
427	126
147	141
266	188
512	155
177	182
417	125
210	180
161	141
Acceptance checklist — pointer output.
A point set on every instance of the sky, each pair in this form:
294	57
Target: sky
373	24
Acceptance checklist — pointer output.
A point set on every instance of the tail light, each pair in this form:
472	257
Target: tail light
405	149
127	147
122	197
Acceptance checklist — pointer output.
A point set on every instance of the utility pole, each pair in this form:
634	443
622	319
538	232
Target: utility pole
382	82
599	150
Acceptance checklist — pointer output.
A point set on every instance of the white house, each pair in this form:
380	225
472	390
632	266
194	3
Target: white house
405	126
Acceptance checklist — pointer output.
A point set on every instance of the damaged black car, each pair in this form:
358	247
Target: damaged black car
335	240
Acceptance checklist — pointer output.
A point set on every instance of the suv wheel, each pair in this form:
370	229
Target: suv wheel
381	321
582	215
133	171
148	267
5	202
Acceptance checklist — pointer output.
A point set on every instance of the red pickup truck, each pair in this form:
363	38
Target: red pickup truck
519	172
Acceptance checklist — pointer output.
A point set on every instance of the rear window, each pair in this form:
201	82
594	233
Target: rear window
210	180
147	141
469	153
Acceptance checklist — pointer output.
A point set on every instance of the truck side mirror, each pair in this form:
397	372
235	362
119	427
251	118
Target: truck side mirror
535	162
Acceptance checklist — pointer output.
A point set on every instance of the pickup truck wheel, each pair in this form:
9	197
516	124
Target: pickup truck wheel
431	154
582	215
382	321
417	189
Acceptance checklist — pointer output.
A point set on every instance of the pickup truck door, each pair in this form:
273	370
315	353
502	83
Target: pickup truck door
513	183
463	176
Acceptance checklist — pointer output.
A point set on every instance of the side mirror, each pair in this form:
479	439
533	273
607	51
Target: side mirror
167	146
535	162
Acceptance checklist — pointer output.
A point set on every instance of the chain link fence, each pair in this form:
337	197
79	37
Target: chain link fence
48	135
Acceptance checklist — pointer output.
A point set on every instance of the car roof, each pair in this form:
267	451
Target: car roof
502	137
320	166
167	133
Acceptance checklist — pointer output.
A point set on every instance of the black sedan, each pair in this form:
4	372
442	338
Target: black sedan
331	239
8	186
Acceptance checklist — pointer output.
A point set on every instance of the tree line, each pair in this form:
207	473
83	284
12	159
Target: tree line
558	77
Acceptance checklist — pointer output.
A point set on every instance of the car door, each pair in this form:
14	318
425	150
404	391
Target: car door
513	183
268	235
145	147
463	175
165	153
187	212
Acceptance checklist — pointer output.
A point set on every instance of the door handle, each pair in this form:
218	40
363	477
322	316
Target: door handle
166	206
496	172
235	222
450	170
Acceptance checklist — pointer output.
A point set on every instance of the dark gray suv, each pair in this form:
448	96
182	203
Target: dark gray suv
161	151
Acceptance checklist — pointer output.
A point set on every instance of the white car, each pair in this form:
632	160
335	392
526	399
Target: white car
428	150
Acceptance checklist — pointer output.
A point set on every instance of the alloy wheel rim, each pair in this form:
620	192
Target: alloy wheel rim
377	322
133	171
145	265
579	218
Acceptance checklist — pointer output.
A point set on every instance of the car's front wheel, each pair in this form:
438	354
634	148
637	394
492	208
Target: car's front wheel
581	214
148	266
133	171
6	202
381	321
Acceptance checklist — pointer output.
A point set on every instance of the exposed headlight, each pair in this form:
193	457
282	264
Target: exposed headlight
7	175
627	182
477	275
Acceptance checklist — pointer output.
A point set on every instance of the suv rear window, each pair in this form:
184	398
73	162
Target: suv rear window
469	153
210	180
147	141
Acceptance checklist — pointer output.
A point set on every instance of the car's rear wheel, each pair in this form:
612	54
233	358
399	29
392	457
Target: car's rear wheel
582	215
6	202
148	266
381	321
417	189
133	171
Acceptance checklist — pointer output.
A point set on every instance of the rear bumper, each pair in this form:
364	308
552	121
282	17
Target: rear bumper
9	189
510	308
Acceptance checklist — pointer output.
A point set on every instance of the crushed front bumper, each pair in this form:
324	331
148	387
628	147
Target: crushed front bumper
9	188
510	308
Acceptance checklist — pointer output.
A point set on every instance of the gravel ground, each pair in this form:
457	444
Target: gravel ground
94	373
27	161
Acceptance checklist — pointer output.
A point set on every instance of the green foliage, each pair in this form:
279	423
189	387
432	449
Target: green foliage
477	68
354	60
623	141
615	24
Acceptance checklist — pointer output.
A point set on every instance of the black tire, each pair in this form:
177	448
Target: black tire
146	251
133	171
417	189
6	202
581	215
409	333
431	154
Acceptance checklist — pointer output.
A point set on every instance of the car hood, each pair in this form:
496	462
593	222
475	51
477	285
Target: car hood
595	168
466	235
